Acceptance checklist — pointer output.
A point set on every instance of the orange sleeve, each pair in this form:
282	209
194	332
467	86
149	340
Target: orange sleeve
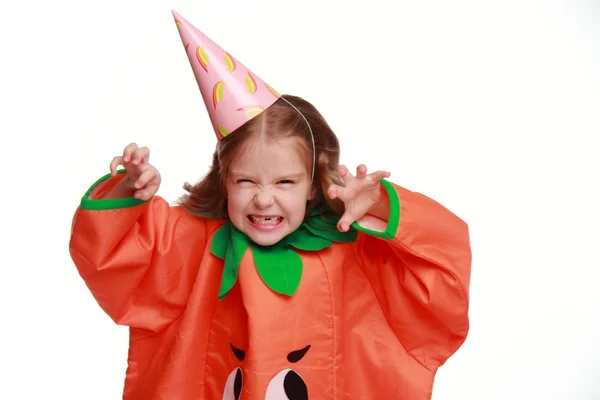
419	264
131	255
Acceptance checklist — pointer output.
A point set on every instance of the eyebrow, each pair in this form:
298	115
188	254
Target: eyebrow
239	354
296	355
295	175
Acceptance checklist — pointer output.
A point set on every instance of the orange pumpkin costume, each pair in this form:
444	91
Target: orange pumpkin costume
357	315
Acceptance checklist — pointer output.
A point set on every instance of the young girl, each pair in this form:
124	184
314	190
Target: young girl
280	275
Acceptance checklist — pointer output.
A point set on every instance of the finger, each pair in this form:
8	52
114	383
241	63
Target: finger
333	191
141	155
146	158
345	222
145	177
339	192
345	174
118	160
379	175
128	151
145	193
361	171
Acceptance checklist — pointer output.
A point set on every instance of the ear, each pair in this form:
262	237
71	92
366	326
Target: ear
312	193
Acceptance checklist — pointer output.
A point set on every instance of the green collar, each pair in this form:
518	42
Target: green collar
279	265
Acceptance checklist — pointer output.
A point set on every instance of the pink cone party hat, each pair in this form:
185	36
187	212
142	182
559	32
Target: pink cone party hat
232	93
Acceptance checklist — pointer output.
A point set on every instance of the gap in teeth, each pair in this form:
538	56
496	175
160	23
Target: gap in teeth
265	220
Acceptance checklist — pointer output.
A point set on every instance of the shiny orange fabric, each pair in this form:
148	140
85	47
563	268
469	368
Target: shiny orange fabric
380	316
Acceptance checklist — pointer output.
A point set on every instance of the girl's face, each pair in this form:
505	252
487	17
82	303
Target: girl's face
267	188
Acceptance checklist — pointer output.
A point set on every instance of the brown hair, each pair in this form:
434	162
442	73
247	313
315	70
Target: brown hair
207	198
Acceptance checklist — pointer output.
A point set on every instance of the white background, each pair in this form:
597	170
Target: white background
492	108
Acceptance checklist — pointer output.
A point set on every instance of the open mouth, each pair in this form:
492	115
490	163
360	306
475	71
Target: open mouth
265	220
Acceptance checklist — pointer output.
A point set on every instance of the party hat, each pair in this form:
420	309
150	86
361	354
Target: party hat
232	93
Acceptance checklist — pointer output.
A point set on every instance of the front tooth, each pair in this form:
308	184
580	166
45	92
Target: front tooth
266	220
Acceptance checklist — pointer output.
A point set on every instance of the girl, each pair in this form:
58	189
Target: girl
279	275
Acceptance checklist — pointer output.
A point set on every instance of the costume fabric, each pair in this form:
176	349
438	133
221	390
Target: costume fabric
321	315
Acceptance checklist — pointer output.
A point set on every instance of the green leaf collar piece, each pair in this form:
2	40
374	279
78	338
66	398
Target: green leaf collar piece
279	265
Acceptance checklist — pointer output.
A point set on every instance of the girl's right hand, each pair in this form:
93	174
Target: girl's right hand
142	178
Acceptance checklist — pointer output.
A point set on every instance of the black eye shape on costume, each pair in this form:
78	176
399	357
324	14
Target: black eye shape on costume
239	354
294	387
237	385
297	355
234	385
287	384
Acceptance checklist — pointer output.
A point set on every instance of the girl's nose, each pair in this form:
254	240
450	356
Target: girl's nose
263	199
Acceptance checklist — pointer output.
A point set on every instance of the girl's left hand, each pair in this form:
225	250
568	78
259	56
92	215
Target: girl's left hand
360	194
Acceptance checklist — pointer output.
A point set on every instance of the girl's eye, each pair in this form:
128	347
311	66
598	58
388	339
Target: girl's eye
243	181
286	182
